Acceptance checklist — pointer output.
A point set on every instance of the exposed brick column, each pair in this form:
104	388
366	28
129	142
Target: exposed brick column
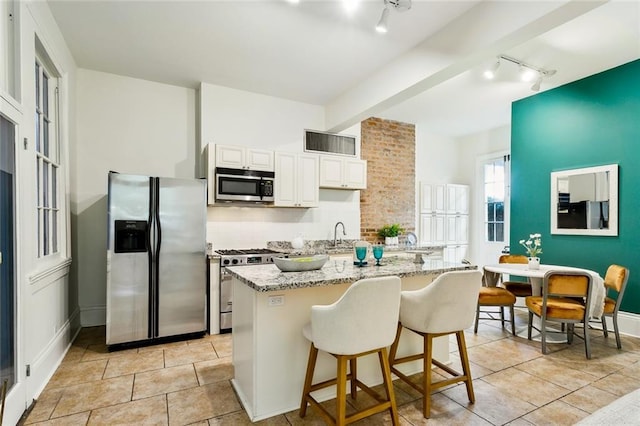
389	148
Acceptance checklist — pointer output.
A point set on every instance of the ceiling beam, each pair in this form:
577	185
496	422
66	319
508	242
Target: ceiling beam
486	30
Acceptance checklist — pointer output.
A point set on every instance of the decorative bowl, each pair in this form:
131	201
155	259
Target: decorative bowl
299	264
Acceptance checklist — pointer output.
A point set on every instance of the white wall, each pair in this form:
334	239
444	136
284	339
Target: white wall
46	310
235	117
130	126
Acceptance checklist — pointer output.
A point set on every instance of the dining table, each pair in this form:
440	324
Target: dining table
493	273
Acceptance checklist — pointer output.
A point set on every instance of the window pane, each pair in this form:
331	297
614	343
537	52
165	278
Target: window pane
45	185
488	173
45	95
490	212
39	197
490	232
54	231
37	132
45	137
39	232
37	86
500	212
45	232
54	187
499	231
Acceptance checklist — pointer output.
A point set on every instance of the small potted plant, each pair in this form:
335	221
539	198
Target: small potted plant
390	234
533	247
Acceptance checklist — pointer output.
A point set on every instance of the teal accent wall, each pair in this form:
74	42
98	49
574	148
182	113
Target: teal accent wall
590	122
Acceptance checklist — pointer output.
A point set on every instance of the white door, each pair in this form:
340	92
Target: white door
493	173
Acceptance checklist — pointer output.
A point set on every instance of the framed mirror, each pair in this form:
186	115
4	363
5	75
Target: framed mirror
585	201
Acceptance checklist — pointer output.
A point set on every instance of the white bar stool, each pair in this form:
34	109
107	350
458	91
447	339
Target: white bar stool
362	322
445	306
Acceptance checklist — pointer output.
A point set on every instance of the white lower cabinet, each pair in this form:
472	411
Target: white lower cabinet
432	229
455	253
296	180
214	295
457	229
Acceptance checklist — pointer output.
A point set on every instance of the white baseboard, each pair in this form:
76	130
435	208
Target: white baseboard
45	364
93	316
629	324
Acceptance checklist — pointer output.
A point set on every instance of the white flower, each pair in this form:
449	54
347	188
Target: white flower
533	245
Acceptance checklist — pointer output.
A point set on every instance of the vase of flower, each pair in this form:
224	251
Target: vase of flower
533	247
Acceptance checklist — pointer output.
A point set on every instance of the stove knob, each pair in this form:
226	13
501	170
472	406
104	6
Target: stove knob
234	261
225	262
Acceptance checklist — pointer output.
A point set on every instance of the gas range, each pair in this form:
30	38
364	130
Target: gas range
240	257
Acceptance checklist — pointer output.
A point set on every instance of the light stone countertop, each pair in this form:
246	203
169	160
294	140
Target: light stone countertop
268	277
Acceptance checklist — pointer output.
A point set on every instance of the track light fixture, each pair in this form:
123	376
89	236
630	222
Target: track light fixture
490	73
397	5
528	72
382	24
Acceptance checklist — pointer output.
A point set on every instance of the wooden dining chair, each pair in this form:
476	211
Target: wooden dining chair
491	296
566	296
615	282
517	288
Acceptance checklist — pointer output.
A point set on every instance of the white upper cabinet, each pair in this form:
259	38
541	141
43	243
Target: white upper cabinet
457	199
239	157
297	180
343	173
432	198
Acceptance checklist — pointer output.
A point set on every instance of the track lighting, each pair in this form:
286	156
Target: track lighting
536	85
382	24
397	5
490	73
528	72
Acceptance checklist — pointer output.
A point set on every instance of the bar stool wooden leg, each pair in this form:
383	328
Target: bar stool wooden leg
353	367
388	384
426	368
341	391
464	357
311	366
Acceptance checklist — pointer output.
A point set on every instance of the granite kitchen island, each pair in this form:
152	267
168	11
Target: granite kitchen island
270	308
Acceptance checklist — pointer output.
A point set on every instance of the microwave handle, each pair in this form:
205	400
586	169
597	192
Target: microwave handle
262	185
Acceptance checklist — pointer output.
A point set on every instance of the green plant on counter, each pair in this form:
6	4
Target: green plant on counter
390	230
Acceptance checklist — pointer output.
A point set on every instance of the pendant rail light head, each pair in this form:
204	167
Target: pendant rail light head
398	6
527	72
382	24
490	73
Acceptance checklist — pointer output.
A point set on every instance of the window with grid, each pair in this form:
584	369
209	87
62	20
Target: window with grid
495	182
47	161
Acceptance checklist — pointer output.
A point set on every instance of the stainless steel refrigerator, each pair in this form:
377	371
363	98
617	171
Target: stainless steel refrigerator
156	258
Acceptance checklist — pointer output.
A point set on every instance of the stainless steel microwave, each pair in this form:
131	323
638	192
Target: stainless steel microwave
244	185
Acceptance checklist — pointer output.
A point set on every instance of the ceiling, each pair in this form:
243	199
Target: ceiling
426	70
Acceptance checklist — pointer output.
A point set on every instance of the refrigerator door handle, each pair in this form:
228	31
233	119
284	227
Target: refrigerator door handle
158	242
151	292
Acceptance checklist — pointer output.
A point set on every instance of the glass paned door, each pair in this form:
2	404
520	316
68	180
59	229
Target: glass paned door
7	241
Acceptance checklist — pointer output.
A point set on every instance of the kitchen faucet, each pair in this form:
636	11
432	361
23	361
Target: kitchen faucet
335	233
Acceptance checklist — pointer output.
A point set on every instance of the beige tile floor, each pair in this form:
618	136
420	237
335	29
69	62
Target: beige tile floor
189	383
